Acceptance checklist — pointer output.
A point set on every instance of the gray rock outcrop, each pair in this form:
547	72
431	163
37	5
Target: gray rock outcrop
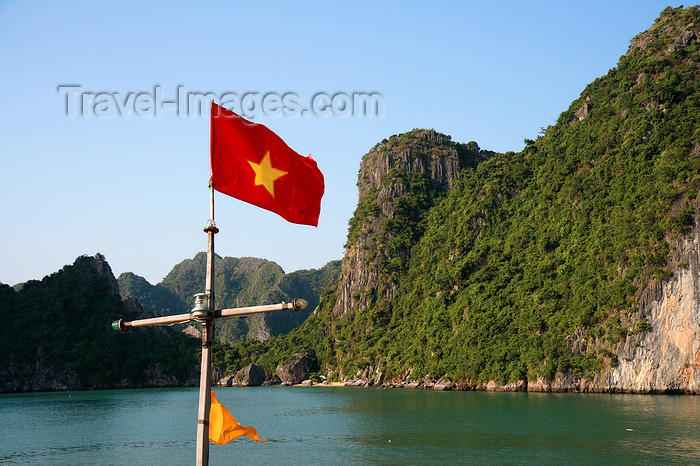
294	371
250	376
666	358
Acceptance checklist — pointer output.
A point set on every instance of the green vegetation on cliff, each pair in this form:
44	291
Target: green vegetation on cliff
56	332
245	281
155	299
59	328
531	264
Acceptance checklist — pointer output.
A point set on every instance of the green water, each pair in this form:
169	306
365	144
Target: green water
323	425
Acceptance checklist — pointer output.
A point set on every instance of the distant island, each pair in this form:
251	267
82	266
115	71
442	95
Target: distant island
57	335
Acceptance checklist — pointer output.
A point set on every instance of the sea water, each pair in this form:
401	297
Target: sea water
343	425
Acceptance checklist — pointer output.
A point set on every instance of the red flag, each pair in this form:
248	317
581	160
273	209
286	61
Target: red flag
223	427
253	164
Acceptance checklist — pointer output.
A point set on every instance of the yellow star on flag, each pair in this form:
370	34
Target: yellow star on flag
266	174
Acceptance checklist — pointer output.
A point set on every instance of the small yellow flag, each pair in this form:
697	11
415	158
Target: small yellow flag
223	427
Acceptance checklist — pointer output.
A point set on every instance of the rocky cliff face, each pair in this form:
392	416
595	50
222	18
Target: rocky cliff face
421	162
666	358
419	151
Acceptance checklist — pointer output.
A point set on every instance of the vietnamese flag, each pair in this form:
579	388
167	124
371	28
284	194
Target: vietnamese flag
223	427
253	164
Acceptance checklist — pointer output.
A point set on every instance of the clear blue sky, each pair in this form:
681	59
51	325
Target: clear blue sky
135	187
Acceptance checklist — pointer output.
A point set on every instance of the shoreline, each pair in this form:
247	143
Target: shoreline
494	387
460	386
320	384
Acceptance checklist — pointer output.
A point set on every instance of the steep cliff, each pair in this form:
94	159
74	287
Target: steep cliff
666	357
399	181
663	354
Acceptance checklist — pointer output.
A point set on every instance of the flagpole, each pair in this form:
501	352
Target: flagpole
205	312
207	335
